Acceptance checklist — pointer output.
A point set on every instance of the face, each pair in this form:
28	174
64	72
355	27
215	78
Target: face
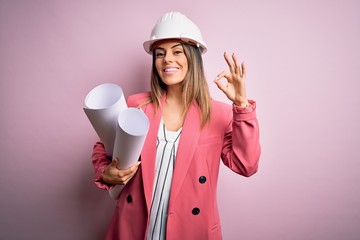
171	62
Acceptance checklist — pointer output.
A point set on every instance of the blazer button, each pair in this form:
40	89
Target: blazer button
202	179
129	198
196	211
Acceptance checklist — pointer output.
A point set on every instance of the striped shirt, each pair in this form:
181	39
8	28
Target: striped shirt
166	147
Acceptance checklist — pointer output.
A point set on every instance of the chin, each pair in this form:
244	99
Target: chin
171	82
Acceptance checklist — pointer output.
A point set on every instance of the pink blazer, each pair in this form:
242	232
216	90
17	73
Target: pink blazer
232	135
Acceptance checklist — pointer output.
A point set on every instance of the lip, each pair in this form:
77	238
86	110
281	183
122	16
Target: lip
170	69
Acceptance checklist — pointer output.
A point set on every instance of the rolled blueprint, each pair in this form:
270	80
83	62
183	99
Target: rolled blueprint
132	128
103	105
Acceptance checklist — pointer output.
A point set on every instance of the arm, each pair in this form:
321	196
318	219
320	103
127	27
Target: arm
241	149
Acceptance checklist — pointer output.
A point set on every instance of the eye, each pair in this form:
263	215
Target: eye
159	54
178	52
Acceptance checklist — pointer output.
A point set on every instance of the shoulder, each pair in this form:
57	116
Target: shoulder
137	99
221	114
220	108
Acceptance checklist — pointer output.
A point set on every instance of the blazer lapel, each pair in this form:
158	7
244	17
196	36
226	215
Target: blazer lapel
148	154
187	145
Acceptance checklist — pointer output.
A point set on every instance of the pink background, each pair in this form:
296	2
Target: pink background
303	61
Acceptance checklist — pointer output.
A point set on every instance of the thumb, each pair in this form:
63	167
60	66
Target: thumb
220	85
114	162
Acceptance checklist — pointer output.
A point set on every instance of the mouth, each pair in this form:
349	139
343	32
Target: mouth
171	69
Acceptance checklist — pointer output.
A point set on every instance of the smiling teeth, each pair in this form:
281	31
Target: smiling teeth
170	69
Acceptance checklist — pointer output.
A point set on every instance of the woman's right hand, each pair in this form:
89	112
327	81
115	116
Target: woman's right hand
114	176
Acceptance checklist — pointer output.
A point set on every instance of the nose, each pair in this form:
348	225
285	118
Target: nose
168	57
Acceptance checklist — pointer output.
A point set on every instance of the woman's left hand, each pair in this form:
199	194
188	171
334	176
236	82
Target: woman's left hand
235	88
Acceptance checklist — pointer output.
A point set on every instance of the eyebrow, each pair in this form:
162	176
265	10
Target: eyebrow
176	45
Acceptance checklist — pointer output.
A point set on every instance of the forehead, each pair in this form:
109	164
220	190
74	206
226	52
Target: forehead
167	44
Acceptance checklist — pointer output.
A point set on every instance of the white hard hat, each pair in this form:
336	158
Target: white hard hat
174	25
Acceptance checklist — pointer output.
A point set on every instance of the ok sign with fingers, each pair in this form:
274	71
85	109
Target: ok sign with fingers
235	88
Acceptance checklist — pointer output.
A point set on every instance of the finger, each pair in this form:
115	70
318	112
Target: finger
229	62
128	179
226	75
125	179
127	174
243	69
236	64
129	170
221	75
135	167
220	85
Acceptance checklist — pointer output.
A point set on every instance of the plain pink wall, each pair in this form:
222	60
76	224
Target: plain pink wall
303	70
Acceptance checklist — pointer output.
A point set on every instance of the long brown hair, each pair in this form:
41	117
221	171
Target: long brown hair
194	87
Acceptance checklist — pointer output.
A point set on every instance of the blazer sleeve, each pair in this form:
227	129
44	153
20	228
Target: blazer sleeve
100	161
241	149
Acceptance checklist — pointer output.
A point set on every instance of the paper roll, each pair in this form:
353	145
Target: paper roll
103	105
131	132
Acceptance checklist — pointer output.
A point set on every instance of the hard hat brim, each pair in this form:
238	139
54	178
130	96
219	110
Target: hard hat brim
148	45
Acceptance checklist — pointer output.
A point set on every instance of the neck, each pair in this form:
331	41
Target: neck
174	95
173	112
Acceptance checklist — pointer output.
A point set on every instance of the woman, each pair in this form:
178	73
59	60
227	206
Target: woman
172	193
